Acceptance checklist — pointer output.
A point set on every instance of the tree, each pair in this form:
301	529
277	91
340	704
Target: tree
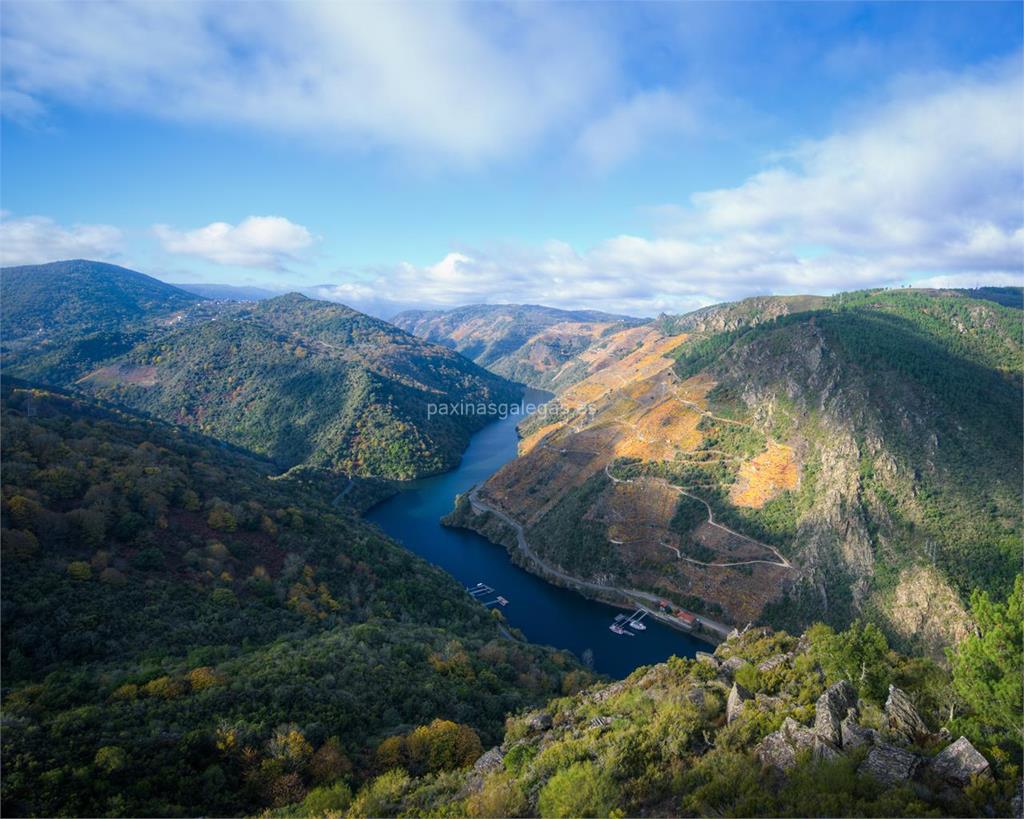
110	758
79	570
860	654
987	667
221	518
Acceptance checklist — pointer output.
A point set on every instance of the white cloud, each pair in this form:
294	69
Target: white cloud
257	241
927	187
930	181
464	81
38	239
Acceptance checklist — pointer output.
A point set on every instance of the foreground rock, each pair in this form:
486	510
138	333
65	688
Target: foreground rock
831	709
737	696
904	723
959	762
889	765
780	749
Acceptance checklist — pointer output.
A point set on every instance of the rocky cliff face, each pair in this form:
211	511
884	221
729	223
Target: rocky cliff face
861	459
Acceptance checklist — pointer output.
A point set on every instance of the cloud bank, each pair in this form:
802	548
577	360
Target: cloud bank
38	239
267	242
461	81
926	186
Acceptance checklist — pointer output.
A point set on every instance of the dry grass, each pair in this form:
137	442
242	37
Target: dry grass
765	476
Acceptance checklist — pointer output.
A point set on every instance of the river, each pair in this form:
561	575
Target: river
546	614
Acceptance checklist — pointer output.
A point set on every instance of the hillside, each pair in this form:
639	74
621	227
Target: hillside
770	725
185	636
79	297
525	343
303	382
859	459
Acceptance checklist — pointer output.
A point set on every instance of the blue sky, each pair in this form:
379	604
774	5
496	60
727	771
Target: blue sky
630	157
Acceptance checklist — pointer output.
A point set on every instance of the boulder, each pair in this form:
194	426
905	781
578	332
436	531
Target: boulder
729	667
959	762
888	764
831	709
737	696
704	657
854	735
779	750
696	696
774	662
824	750
540	721
489	761
904	723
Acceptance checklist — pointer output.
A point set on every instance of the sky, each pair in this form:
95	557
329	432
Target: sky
633	158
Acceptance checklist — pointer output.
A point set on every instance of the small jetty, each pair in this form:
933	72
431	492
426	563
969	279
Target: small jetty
636	618
634	621
481	591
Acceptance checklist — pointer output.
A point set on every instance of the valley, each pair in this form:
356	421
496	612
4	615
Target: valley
259	485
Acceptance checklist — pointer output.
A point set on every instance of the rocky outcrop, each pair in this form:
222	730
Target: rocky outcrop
831	709
854	735
889	765
780	749
925	611
959	762
737	696
903	723
774	662
731	666
490	761
538	722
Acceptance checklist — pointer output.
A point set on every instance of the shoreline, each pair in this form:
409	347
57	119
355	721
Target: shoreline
522	554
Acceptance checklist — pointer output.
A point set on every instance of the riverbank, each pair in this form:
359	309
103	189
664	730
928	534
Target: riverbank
542	609
473	513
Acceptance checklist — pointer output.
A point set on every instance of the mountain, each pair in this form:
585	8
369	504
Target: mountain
303	382
859	459
79	297
185	636
229	292
769	725
525	343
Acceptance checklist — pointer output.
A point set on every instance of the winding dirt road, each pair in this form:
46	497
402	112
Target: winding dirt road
633	595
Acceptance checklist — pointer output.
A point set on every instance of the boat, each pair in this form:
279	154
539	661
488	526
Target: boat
637	625
502	600
617	629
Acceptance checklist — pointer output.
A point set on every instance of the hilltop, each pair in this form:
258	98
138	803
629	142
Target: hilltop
789	460
80	297
304	382
523	342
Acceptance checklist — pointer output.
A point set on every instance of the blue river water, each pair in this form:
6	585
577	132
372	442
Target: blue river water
546	614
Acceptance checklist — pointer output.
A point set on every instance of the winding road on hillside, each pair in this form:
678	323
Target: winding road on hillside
479	506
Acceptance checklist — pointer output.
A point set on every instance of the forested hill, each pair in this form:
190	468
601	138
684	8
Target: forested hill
792	460
184	635
527	343
80	296
304	382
